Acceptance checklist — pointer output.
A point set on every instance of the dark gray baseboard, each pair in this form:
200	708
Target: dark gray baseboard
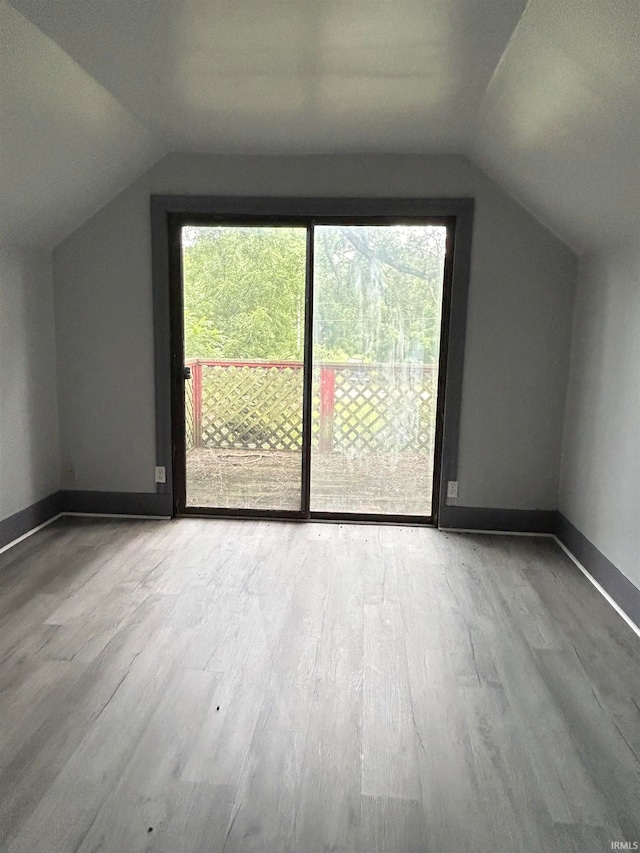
601	569
109	503
117	503
22	522
503	520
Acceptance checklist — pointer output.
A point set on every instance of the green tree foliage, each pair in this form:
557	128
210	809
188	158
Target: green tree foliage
244	292
378	292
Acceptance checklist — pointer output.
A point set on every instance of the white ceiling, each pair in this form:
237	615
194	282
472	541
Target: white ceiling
267	76
95	90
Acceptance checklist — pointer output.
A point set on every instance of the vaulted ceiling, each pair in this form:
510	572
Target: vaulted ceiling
543	96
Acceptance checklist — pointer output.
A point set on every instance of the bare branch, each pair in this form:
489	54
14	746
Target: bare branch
363	247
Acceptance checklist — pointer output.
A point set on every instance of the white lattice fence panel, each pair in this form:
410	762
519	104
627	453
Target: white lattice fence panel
383	410
188	415
252	407
377	408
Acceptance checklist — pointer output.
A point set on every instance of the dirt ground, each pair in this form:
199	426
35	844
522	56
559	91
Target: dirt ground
398	483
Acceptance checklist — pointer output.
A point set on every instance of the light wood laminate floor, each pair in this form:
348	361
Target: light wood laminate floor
204	685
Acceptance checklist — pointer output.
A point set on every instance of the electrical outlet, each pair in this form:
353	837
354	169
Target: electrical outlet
161	474
452	489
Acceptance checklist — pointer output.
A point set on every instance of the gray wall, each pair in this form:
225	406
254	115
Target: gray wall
600	479
29	457
105	349
521	293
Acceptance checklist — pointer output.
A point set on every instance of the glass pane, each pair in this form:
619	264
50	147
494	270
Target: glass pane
244	340
377	310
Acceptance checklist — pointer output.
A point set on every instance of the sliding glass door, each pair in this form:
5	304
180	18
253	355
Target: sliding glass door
310	358
243	304
376	344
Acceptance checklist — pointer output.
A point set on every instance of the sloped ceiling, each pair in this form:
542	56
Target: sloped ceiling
559	125
66	144
544	99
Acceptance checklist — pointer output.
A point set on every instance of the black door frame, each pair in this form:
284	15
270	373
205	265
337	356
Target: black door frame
170	213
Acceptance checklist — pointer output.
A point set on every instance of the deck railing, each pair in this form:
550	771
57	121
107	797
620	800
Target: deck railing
356	407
